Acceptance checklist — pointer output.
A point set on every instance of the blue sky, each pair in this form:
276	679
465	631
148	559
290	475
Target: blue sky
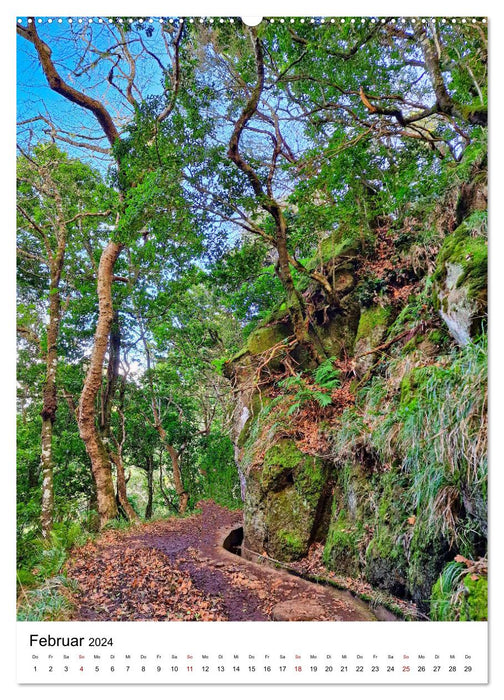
34	96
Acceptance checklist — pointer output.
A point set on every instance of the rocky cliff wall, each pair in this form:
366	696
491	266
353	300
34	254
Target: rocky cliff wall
385	463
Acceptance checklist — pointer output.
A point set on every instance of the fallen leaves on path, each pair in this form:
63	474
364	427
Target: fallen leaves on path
177	569
137	583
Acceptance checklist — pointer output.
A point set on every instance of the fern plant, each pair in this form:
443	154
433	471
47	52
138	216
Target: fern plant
325	377
447	591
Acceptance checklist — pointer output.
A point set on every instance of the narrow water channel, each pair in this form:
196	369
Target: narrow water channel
233	543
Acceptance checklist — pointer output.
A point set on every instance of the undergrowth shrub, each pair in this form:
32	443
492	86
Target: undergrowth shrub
443	437
435	431
50	601
43	590
457	595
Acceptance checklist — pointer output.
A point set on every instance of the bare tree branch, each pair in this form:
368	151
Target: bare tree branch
57	83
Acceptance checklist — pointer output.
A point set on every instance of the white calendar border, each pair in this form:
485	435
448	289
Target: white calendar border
307	653
271	8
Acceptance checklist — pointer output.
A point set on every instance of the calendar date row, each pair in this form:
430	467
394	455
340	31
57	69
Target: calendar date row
328	668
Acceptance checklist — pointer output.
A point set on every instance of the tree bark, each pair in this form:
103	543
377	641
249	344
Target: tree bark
47	467
55	261
107	395
444	101
100	460
117	456
122	496
150	487
49	406
177	474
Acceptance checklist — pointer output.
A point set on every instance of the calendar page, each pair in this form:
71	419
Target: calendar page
252	349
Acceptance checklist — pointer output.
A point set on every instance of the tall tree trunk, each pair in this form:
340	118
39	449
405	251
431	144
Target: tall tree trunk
107	395
55	262
100	459
122	497
295	302
150	487
46	463
50	404
177	474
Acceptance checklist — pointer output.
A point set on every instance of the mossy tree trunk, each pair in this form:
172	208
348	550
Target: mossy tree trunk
89	432
295	302
107	394
53	240
149	468
50	405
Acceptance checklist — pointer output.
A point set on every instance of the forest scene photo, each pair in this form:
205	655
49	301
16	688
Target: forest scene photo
252	319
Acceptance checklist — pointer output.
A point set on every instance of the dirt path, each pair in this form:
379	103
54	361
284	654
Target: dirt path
177	569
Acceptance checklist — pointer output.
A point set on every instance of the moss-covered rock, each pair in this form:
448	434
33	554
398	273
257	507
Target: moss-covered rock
374	528
456	596
469	251
429	552
373	324
352	513
254	515
283	499
370	319
290	544
387	554
341	551
338	246
386	563
289	522
279	464
475	603
338	332
461	282
265	337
